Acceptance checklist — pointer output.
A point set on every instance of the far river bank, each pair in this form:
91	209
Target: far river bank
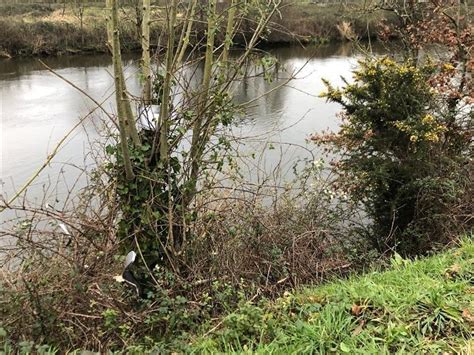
54	30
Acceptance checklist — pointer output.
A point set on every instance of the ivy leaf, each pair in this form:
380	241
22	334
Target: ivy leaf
110	149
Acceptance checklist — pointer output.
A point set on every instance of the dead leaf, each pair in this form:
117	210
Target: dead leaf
357	310
315	299
468	348
453	270
359	328
468	316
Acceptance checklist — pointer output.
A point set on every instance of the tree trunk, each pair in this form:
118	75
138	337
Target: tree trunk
165	102
118	78
185	42
146	52
229	33
81	15
198	140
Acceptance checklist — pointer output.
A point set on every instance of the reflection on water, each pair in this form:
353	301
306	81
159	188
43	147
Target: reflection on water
13	69
38	109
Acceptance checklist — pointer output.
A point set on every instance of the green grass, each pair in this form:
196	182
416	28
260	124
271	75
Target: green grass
422	306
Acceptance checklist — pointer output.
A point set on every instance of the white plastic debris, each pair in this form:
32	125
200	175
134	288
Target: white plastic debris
131	256
64	229
119	278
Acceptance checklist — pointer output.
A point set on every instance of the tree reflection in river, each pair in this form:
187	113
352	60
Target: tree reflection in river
38	109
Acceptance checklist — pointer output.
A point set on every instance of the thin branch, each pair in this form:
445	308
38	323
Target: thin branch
99	105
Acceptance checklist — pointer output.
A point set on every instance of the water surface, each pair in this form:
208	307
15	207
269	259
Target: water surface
37	109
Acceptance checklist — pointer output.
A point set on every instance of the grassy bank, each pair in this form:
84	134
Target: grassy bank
423	306
48	30
53	30
309	22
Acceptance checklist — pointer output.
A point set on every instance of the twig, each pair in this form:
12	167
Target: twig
46	163
80	90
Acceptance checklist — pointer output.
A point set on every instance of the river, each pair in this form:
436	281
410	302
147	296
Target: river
37	109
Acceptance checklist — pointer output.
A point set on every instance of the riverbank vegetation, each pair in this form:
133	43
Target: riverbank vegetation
170	248
426	305
416	306
56	29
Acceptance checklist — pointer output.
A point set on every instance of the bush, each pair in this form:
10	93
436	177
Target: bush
246	249
404	154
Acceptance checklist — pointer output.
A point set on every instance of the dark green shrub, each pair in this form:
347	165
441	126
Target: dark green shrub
403	153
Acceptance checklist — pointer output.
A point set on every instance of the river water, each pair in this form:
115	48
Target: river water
37	109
